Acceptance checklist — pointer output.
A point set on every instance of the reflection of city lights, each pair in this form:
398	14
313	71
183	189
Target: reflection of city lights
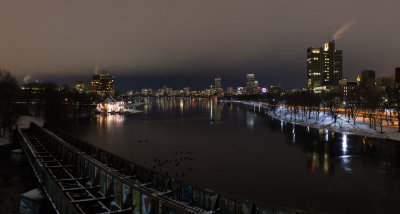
181	106
326	162
250	120
281	125
110	120
344	144
211	111
346	162
308	129
326	135
294	133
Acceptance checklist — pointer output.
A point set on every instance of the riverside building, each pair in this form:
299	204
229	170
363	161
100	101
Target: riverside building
251	84
324	67
102	84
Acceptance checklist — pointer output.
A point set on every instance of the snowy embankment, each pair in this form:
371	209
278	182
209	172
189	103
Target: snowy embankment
325	121
23	123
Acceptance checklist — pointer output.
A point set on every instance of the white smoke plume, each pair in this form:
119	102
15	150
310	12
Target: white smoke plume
96	70
340	33
26	78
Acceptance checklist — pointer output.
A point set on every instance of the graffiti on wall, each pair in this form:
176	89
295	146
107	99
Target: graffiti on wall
103	182
125	192
146	204
118	192
136	201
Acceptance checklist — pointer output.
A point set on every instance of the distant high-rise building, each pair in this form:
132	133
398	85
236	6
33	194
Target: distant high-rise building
251	84
80	86
348	87
217	85
146	91
102	84
324	66
367	78
276	90
397	74
229	91
386	81
186	91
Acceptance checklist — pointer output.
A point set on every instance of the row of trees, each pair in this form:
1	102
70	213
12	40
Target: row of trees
9	110
45	100
380	107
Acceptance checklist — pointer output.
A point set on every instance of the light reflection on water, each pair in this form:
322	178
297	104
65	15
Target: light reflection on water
110	121
250	119
326	135
254	152
344	144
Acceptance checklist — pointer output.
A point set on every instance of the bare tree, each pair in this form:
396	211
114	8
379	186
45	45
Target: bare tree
9	111
353	102
394	102
372	103
333	101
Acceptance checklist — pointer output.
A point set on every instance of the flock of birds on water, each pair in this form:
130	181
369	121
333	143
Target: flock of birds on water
180	161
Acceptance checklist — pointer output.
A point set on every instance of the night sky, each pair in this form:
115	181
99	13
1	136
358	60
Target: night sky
188	43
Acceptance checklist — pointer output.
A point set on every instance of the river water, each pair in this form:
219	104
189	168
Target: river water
237	150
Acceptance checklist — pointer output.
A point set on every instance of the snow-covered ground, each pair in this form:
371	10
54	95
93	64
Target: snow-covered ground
23	123
5	140
327	122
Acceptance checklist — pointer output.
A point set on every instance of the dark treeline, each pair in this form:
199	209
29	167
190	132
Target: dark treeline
9	110
379	107
46	101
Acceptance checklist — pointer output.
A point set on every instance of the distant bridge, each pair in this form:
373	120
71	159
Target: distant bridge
80	178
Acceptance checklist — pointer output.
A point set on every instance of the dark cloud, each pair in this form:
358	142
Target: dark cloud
172	39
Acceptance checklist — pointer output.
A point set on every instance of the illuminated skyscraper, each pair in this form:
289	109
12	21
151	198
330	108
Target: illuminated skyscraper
324	67
102	84
217	85
251	84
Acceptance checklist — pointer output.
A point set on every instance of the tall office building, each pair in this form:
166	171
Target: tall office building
251	84
217	85
102	84
324	67
397	74
368	78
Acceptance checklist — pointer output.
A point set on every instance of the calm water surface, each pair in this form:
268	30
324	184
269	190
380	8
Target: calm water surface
238	150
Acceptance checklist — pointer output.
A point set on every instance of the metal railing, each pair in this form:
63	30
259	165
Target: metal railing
81	178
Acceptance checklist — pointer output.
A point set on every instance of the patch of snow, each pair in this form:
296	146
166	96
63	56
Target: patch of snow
325	121
17	151
4	140
34	194
25	121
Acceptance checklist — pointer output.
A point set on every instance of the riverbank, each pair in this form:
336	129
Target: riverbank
325	121
15	179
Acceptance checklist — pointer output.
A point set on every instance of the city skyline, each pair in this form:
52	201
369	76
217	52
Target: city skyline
164	47
199	107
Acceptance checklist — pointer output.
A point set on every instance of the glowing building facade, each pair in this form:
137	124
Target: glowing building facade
251	84
218	85
102	84
324	67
